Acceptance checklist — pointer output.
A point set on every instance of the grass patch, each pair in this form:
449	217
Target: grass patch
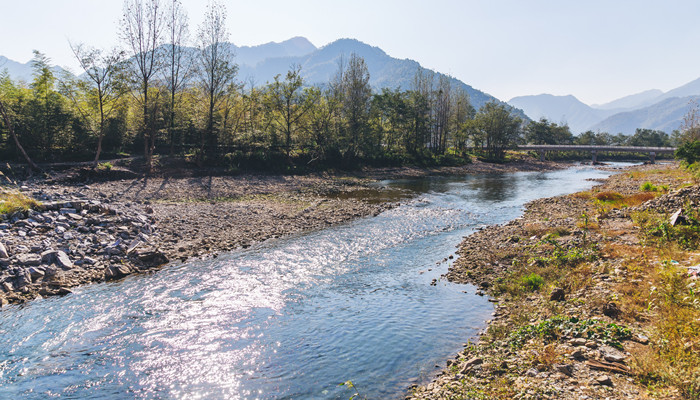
11	202
552	329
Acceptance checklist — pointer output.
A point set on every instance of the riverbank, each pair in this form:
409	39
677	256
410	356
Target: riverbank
92	230
594	297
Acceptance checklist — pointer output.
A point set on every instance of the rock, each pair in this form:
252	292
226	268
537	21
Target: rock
603	381
36	273
639	338
677	218
578	341
152	258
29	259
611	310
8	287
531	373
63	260
612	354
557	294
3	251
566	369
116	271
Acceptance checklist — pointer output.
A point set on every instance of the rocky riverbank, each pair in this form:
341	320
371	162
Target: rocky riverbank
581	291
92	228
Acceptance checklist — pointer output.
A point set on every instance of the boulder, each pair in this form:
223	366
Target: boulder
557	294
62	260
116	271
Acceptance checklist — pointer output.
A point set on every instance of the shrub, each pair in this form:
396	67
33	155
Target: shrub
104	166
649	187
532	282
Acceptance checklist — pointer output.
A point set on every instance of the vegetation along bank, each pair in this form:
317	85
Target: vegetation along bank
595	292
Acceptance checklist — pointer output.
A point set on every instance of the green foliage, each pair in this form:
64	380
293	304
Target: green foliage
545	132
557	327
650	187
532	282
689	152
104	166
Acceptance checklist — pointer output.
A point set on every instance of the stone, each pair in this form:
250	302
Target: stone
116	271
3	251
566	369
641	339
8	287
36	273
63	260
578	341
611	310
29	259
557	294
531	373
603	381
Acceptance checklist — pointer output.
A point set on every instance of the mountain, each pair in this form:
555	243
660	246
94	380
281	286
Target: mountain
22	72
262	63
666	115
632	102
560	109
252	55
319	66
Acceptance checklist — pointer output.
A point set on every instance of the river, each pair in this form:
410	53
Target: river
290	318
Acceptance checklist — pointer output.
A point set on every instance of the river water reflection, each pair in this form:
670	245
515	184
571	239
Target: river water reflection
290	318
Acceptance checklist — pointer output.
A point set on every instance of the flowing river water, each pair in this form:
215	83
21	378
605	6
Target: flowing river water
289	318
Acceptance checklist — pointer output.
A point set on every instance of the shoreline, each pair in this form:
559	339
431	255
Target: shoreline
569	332
100	231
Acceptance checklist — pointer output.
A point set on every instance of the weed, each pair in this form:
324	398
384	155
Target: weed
104	166
556	327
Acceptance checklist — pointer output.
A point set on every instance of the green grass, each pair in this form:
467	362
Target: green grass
11	202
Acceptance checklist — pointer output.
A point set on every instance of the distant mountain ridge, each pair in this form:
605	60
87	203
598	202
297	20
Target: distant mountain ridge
319	66
651	109
262	63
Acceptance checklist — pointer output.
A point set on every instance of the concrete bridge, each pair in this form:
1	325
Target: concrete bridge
544	148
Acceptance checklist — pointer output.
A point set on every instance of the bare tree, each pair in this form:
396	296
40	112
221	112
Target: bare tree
102	88
178	60
142	31
217	69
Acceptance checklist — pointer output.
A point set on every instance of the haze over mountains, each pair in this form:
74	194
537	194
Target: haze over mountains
260	64
651	109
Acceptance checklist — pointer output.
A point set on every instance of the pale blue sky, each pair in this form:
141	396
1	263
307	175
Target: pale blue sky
596	50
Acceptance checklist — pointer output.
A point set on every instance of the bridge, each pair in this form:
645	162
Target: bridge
544	148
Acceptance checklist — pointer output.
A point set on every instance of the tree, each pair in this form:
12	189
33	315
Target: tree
287	103
690	128
142	31
356	103
649	137
499	128
102	89
178	61
545	132
215	62
5	113
462	113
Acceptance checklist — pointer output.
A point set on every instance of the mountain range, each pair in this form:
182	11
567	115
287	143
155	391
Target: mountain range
651	109
260	64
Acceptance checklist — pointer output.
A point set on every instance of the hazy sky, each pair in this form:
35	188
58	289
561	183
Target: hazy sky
595	50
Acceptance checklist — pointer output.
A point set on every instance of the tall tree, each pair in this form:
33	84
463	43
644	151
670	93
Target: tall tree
142	31
217	69
288	103
178	61
102	89
356	103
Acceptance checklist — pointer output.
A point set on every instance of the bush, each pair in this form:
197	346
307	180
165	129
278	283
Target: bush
649	187
689	152
532	282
